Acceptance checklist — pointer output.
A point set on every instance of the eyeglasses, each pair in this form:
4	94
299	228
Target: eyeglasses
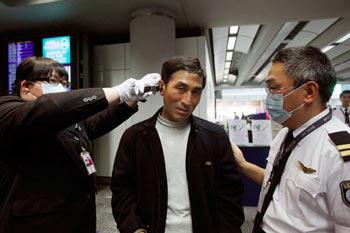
54	81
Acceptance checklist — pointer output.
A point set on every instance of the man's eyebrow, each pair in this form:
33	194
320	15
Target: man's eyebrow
181	83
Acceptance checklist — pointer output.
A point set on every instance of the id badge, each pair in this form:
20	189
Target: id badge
88	162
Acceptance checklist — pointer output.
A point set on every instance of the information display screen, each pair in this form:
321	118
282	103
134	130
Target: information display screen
57	48
17	52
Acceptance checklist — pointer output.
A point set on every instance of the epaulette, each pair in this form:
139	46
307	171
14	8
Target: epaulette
342	141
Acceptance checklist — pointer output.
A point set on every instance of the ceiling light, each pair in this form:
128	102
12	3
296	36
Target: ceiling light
15	3
227	65
329	47
226	71
344	38
231	42
233	29
229	56
225	78
232	77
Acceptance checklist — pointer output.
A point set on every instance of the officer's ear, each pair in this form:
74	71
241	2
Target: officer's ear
25	86
312	91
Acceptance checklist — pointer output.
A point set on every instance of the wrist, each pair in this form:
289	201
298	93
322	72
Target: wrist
242	164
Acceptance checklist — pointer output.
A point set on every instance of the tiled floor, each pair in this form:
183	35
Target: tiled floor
106	224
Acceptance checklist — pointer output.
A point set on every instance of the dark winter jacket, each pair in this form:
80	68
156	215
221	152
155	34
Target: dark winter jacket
139	183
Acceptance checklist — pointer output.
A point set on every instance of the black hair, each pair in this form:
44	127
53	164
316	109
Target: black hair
344	93
186	63
33	68
308	63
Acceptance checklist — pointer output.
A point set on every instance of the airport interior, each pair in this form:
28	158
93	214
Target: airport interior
101	43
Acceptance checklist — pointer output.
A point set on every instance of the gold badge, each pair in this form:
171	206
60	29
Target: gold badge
307	170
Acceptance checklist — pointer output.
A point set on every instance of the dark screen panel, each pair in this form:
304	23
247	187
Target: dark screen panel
17	52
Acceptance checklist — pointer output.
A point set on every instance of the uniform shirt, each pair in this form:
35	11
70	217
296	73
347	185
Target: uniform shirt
309	202
339	112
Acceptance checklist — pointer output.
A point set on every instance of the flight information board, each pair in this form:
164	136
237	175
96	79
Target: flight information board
57	48
17	52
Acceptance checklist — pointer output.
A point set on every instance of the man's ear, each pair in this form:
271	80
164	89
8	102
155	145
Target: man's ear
312	91
161	87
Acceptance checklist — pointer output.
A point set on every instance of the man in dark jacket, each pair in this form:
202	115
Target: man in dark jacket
175	172
46	169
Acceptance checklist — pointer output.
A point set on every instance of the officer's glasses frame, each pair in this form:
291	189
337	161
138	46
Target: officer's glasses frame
54	81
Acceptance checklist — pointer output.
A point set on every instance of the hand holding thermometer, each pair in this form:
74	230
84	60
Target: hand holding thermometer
148	89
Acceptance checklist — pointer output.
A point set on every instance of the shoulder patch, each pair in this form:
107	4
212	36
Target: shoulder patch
342	142
345	191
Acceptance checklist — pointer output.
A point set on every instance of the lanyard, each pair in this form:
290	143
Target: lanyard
79	137
284	151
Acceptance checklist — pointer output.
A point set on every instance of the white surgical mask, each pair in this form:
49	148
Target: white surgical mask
51	88
274	105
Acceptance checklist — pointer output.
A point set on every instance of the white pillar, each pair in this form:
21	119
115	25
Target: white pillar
152	41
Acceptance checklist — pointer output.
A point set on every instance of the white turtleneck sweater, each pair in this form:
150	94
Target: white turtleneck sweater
174	138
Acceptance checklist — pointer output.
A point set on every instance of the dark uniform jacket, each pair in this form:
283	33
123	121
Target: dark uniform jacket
44	185
139	183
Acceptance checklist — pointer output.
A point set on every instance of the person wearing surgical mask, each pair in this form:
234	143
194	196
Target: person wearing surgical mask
306	183
47	171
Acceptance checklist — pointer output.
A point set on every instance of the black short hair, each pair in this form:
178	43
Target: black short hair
308	63
344	93
33	68
185	63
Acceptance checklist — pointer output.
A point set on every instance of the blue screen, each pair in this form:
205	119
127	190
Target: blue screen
17	52
57	48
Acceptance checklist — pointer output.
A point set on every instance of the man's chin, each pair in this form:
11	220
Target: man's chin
181	117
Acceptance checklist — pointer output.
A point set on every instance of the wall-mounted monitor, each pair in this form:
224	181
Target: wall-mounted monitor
57	48
17	52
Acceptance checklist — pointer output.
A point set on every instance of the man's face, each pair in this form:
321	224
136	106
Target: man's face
278	82
181	95
345	100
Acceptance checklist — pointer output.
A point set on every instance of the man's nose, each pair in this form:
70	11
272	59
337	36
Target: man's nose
187	98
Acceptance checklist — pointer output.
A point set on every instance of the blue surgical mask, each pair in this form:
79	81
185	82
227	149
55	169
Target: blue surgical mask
274	105
50	88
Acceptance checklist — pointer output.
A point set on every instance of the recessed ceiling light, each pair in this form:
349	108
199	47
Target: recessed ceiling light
227	65
327	48
233	29
231	42
229	56
14	3
344	38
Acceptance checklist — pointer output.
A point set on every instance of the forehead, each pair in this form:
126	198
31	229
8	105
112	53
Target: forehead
278	75
186	77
